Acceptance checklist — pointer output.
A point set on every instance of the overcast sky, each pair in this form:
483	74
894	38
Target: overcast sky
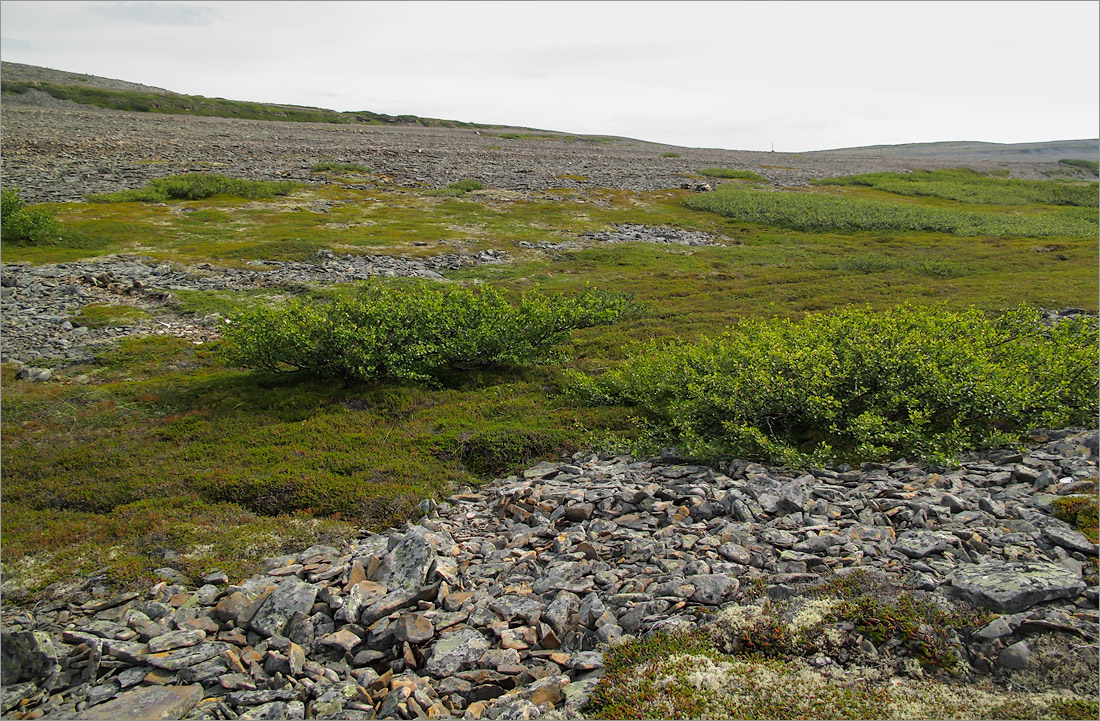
737	75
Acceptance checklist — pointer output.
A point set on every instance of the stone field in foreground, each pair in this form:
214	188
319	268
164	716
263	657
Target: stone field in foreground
500	602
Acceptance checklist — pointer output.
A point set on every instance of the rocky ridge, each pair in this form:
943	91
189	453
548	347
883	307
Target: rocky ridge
64	153
499	602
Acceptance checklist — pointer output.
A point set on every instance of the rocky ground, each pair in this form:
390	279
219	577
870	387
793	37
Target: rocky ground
39	302
62	152
499	601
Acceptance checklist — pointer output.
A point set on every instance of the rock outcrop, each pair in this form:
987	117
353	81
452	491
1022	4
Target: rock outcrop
500	602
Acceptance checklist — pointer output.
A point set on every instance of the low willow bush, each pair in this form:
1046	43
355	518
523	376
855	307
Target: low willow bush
859	385
968	186
197	186
416	333
22	224
816	212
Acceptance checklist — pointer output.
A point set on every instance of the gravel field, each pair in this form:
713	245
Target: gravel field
54	150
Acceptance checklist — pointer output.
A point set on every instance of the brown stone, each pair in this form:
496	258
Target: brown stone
148	702
355	575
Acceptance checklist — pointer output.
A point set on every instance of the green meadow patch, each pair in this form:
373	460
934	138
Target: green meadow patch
159	435
813	212
196	186
968	186
732	174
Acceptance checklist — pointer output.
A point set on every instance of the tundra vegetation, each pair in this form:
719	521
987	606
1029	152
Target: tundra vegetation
209	456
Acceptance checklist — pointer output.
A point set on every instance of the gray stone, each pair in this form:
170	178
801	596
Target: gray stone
585	661
396	601
262	696
513	605
12	693
148	702
176	639
181	658
27	656
270	710
919	544
455	651
1013	587
735	553
1070	538
407	565
291	596
712	588
560	610
1015	656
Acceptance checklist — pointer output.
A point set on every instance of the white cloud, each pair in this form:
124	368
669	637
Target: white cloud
155	13
805	75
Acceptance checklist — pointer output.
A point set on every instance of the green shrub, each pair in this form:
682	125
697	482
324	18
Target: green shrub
328	165
967	186
670	155
857	385
733	174
816	212
414	334
196	186
26	224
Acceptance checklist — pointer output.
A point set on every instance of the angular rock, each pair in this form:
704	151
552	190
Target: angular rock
27	656
712	588
147	702
1070	538
455	651
1013	587
919	544
181	658
176	639
291	596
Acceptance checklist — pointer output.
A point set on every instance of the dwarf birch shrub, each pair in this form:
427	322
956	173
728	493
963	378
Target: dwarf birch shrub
859	385
416	333
22	224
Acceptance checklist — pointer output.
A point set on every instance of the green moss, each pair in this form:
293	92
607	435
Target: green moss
102	315
1081	512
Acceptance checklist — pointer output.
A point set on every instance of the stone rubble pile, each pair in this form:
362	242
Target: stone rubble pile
633	233
500	601
38	302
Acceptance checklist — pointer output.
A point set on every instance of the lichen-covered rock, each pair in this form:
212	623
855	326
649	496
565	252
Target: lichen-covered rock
1013	587
455	651
27	656
147	702
291	596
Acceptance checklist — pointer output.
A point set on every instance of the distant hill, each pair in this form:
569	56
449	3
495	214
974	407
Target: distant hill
18	79
28	80
1053	151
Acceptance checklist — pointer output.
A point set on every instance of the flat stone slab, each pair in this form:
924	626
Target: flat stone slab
148	702
1013	587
